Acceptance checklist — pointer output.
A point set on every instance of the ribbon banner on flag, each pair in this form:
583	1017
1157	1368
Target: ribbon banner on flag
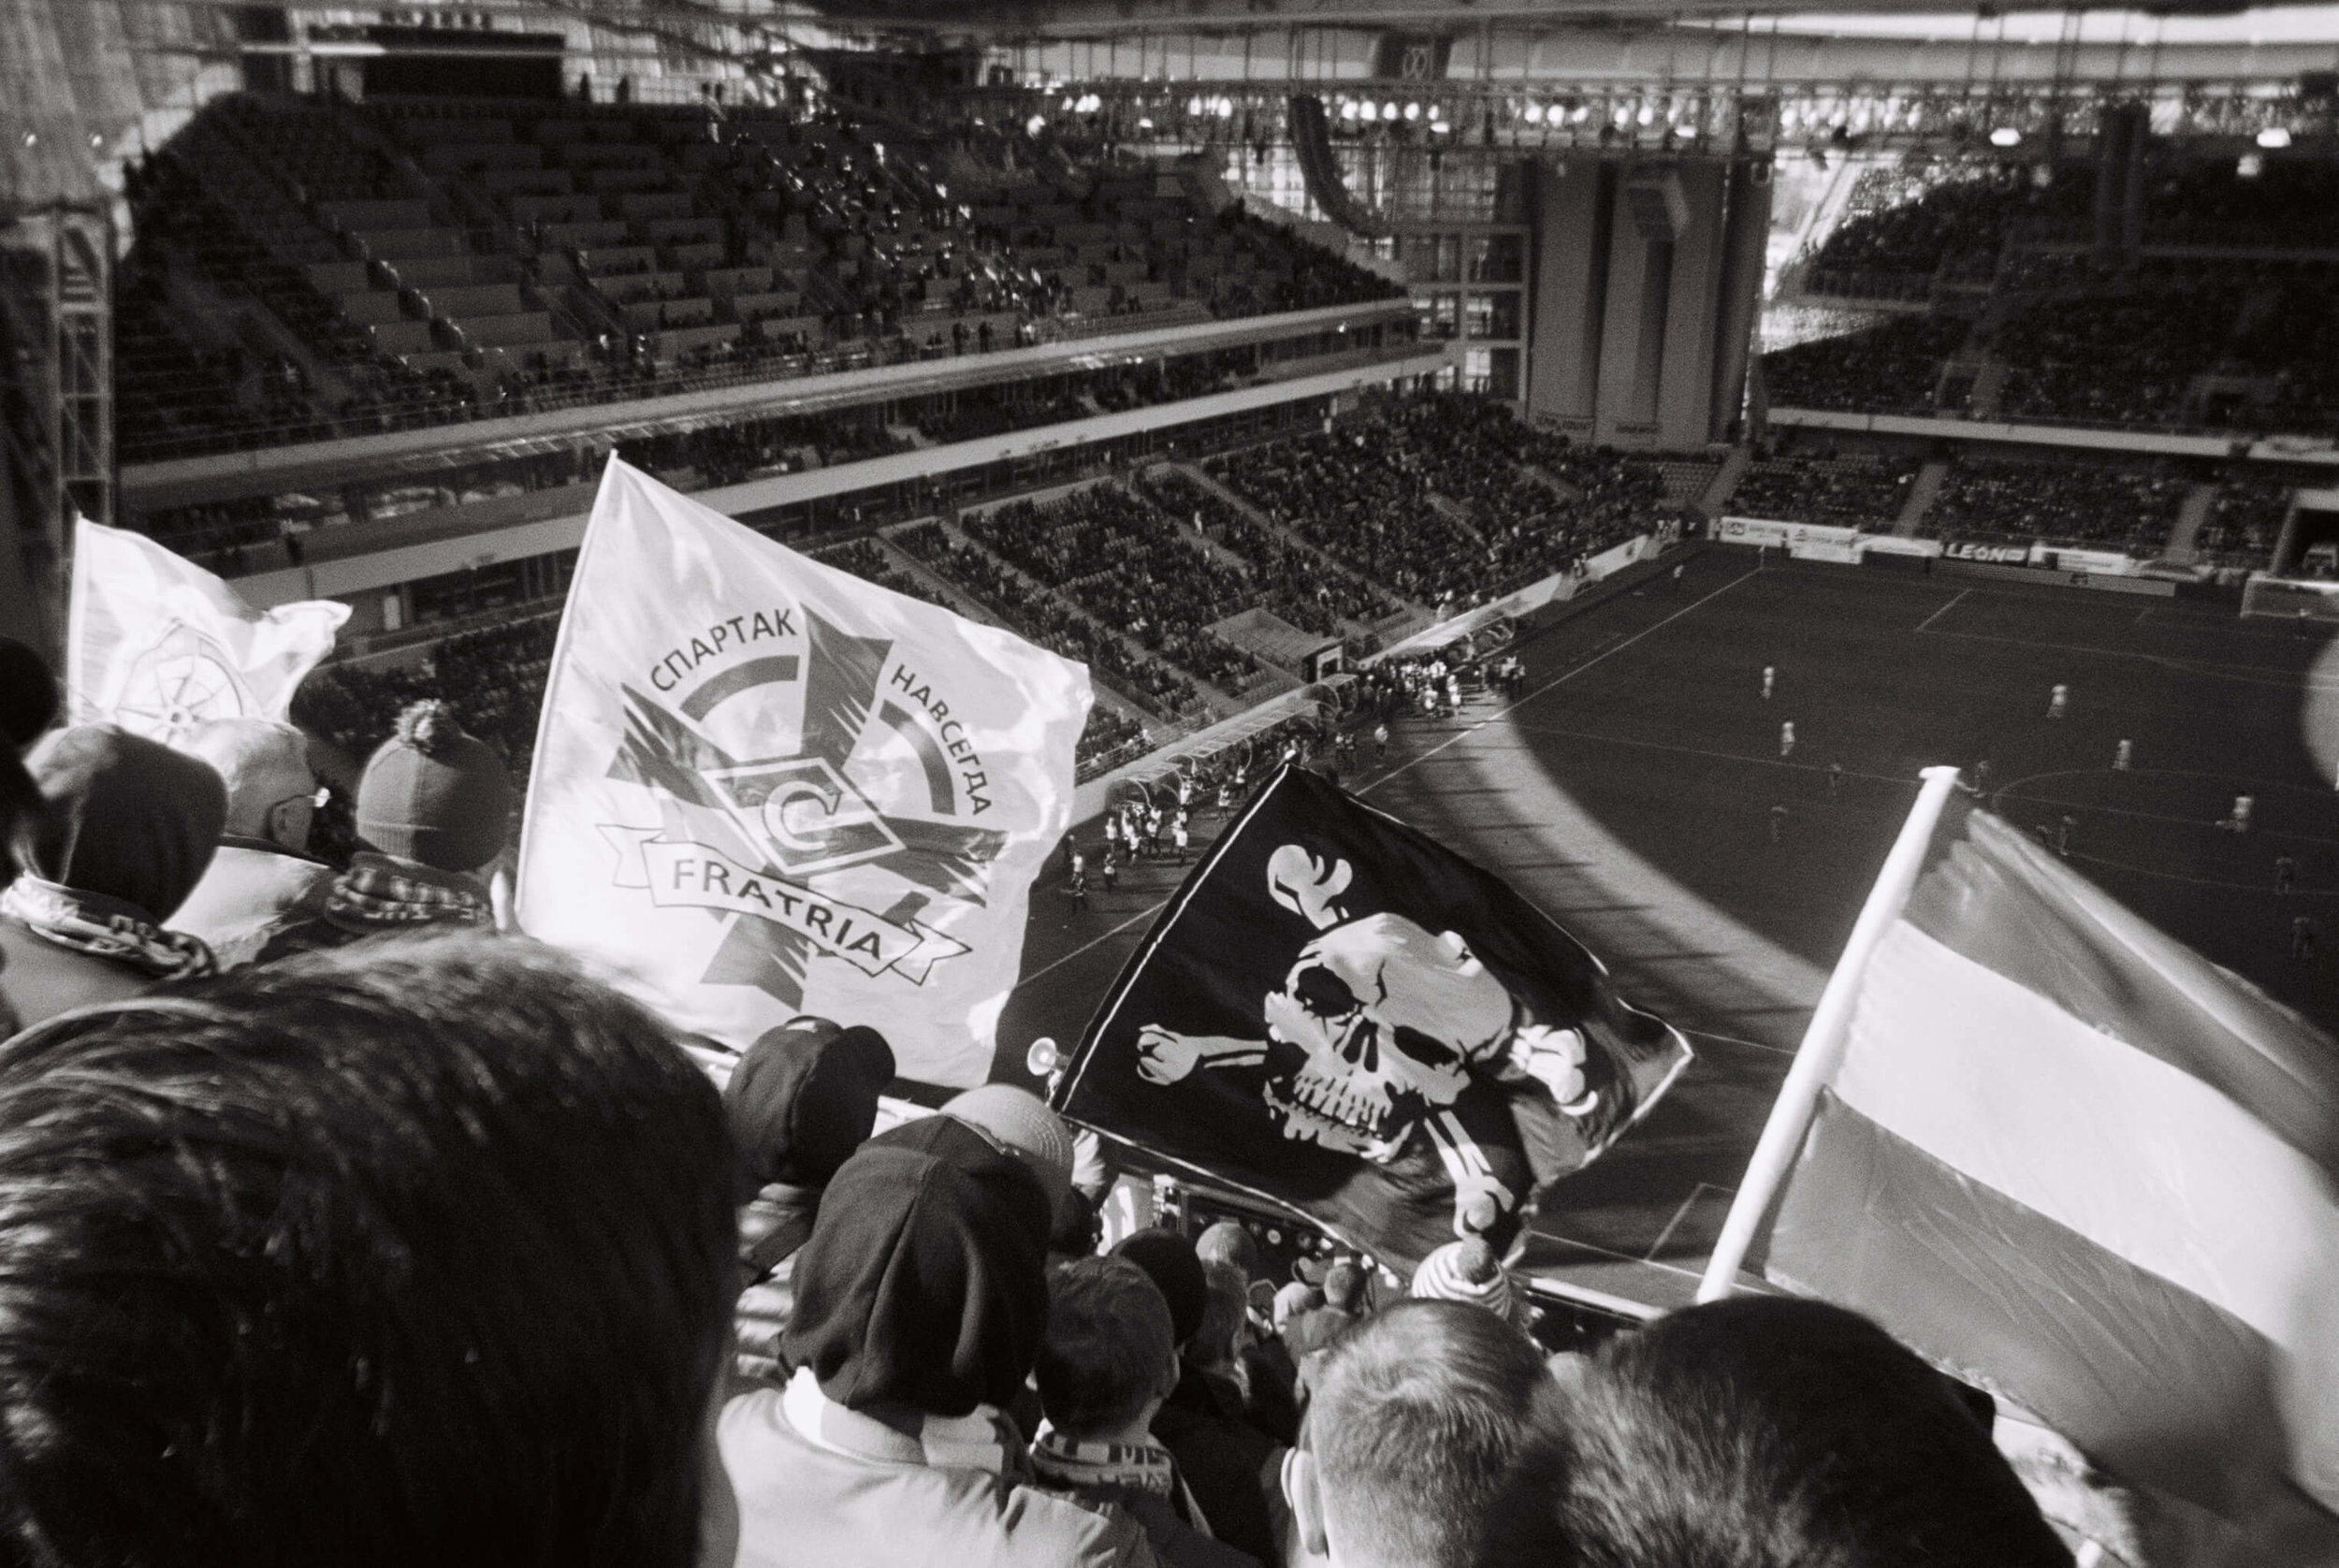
1341	1015
159	645
764	787
2073	1162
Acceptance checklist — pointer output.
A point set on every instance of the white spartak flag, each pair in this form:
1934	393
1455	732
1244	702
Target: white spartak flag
159	645
766	787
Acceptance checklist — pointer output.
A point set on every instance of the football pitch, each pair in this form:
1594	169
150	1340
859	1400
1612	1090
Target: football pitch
1631	792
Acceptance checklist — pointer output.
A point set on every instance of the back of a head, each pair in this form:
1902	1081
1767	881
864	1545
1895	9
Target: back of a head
924	1286
1229	1242
1765	1433
1225	1307
262	762
804	1098
409	1253
1416	1414
1108	1351
1343	1286
126	818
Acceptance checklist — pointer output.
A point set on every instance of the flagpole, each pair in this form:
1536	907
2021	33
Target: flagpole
1823	1040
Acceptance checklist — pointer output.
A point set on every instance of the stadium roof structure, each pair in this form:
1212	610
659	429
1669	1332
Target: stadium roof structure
992	19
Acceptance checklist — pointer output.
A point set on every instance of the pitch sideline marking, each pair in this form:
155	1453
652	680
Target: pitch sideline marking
1943	610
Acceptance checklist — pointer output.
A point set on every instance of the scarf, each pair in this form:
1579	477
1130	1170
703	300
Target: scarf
379	893
1069	1461
982	1439
104	927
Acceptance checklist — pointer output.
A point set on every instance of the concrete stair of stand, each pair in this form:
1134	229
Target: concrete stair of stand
1930	479
1716	500
2192	513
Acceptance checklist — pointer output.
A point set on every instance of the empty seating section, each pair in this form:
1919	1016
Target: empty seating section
2061	503
1855	491
450	259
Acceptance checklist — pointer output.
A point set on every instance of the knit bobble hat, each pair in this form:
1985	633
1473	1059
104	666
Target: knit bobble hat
1465	1270
434	795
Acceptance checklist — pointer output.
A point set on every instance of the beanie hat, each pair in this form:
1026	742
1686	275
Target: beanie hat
925	1281
434	795
1021	1120
1465	1270
124	817
1169	1259
804	1098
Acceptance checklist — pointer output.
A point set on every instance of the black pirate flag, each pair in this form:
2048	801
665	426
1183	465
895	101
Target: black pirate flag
1339	1014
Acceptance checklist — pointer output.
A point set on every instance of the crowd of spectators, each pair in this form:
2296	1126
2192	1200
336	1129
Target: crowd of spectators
2003	499
1368	491
2243	523
2113	359
351	1225
1125	562
1913	219
1892	368
1297	585
1810	488
1048	620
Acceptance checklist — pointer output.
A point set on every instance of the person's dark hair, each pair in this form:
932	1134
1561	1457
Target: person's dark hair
1343	1286
416	1252
1418	1414
1107	1348
1764	1433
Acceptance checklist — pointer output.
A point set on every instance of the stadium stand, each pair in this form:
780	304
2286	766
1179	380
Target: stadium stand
2242	524
1448	501
2058	503
447	259
1825	490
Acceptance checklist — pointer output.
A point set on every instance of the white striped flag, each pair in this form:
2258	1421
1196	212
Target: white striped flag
2072	1162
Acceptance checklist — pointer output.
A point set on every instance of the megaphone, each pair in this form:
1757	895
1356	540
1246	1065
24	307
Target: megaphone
1043	1057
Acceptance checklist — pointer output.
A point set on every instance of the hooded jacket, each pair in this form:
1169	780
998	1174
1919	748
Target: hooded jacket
921	1299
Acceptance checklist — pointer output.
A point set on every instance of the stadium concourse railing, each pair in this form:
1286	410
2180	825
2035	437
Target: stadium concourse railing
2158	440
344	576
804	382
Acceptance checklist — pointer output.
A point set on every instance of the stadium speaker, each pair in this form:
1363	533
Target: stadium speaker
1660	210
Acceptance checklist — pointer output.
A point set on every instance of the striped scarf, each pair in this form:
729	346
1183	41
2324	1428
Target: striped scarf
104	927
379	893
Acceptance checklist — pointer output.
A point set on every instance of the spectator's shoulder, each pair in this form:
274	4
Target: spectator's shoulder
1067	1529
